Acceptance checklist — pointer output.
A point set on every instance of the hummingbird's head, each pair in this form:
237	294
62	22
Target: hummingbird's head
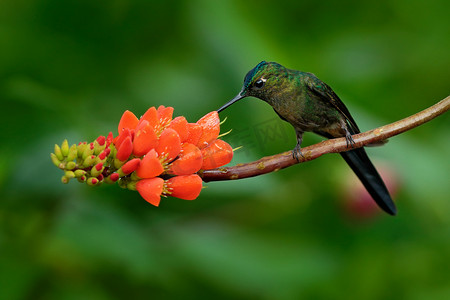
260	82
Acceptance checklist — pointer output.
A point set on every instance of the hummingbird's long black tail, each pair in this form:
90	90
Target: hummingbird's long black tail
360	163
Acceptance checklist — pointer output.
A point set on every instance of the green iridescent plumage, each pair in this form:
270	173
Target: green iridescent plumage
309	104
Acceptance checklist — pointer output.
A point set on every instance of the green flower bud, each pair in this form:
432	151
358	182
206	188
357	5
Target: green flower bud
78	173
98	148
97	169
89	161
82	178
112	178
71	165
92	181
55	160
58	152
65	148
69	174
87	151
73	153
80	149
65	179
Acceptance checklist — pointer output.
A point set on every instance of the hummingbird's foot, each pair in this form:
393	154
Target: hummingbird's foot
297	152
349	139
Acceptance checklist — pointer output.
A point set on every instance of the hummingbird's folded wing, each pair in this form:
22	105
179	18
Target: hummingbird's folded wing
321	89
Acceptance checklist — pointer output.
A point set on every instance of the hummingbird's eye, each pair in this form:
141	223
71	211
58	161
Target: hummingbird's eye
259	83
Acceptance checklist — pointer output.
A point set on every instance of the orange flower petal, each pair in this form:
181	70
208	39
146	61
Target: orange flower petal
217	154
165	115
194	133
125	149
169	145
186	187
180	125
211	128
190	160
150	165
131	166
128	120
151	189
151	116
145	139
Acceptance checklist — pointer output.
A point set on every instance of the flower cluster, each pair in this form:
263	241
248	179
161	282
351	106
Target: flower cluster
157	155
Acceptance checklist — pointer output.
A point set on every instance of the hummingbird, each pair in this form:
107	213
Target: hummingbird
310	105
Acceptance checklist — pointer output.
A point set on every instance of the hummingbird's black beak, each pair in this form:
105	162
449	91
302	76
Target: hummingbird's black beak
235	99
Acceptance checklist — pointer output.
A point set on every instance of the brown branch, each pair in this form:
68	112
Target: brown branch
283	160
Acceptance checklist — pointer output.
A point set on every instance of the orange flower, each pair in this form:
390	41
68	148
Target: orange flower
217	154
169	145
210	124
189	161
165	115
186	187
151	189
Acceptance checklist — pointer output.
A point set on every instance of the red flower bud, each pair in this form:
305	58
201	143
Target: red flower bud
104	153
98	166
114	177
121	137
131	166
101	140
109	139
125	149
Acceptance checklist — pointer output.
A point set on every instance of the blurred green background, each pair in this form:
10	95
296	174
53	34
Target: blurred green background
68	69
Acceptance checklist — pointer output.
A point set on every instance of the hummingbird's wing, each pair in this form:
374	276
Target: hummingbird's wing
321	89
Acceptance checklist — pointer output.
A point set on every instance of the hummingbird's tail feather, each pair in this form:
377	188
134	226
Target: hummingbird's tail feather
360	163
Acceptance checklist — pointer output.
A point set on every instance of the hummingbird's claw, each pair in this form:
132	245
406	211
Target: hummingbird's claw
298	149
296	152
348	138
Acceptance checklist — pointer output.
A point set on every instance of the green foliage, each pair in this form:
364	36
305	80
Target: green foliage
68	69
